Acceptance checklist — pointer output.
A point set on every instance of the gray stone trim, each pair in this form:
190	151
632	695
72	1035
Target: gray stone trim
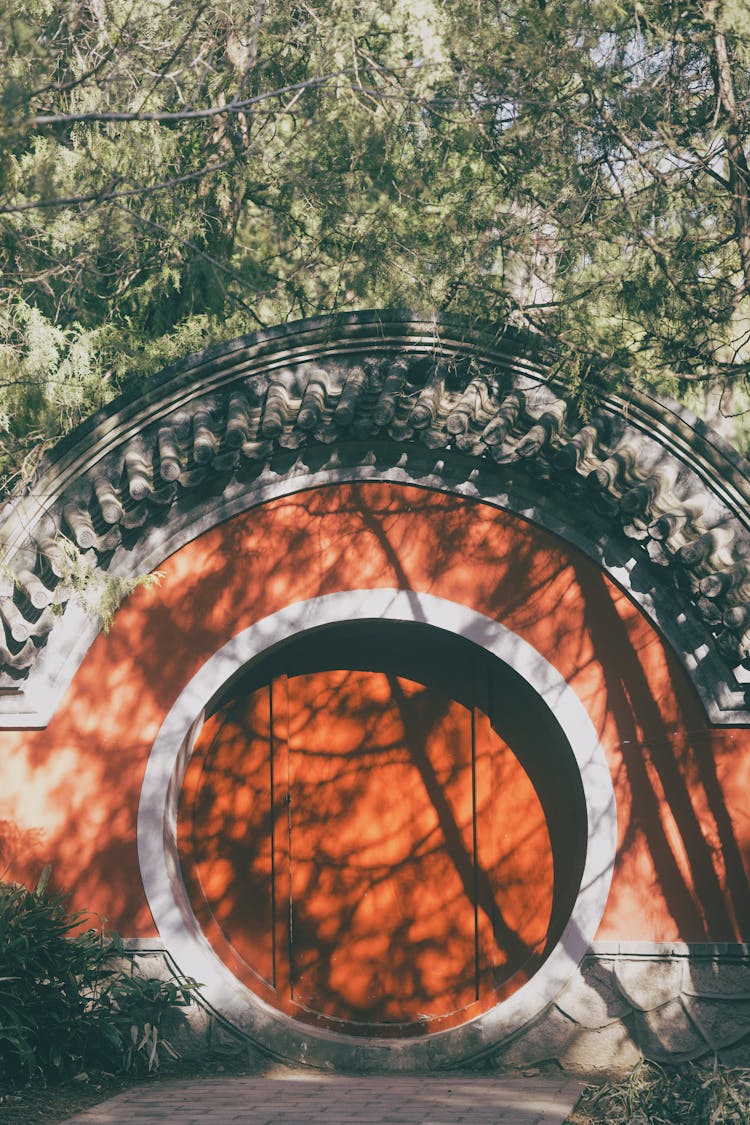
143	945
168	900
713	950
661	503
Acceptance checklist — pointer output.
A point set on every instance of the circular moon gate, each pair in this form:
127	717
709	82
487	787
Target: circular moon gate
409	848
360	843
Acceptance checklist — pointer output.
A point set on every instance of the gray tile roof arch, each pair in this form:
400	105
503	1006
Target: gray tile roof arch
642	486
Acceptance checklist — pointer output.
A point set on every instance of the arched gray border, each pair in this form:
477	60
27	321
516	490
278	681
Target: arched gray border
77	629
599	488
171	910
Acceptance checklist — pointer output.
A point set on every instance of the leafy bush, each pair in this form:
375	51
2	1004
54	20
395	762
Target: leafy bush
65	1003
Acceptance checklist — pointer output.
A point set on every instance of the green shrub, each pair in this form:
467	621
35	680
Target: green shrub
65	1004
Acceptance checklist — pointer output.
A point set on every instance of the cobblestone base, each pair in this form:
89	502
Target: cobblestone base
669	1003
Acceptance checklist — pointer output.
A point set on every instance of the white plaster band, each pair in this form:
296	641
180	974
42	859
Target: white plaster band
168	900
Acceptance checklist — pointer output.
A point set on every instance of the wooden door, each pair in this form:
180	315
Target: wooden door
365	852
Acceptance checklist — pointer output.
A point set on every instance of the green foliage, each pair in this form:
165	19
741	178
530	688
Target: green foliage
101	593
175	175
64	1004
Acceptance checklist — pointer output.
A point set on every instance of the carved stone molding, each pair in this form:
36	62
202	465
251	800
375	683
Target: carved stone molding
643	487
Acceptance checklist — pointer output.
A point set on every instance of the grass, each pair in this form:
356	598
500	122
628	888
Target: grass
689	1094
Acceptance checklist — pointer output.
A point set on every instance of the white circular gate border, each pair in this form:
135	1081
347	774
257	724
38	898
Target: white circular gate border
180	931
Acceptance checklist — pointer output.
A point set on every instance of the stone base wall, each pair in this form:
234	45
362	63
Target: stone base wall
667	1002
630	1000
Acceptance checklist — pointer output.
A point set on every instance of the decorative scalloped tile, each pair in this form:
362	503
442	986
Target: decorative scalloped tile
647	984
717	979
546	1038
592	999
667	1034
610	1048
721	1022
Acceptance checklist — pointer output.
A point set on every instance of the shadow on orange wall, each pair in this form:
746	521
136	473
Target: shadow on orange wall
70	792
668	768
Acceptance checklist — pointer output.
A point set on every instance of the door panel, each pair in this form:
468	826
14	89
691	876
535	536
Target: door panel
383	920
365	852
226	837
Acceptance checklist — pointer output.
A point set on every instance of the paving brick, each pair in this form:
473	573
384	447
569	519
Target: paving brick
301	1099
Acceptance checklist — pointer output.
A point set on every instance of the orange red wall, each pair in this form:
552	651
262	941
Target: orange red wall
70	792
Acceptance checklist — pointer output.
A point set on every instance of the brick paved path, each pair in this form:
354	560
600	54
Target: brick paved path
304	1099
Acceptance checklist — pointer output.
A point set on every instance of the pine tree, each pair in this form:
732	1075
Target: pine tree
174	175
